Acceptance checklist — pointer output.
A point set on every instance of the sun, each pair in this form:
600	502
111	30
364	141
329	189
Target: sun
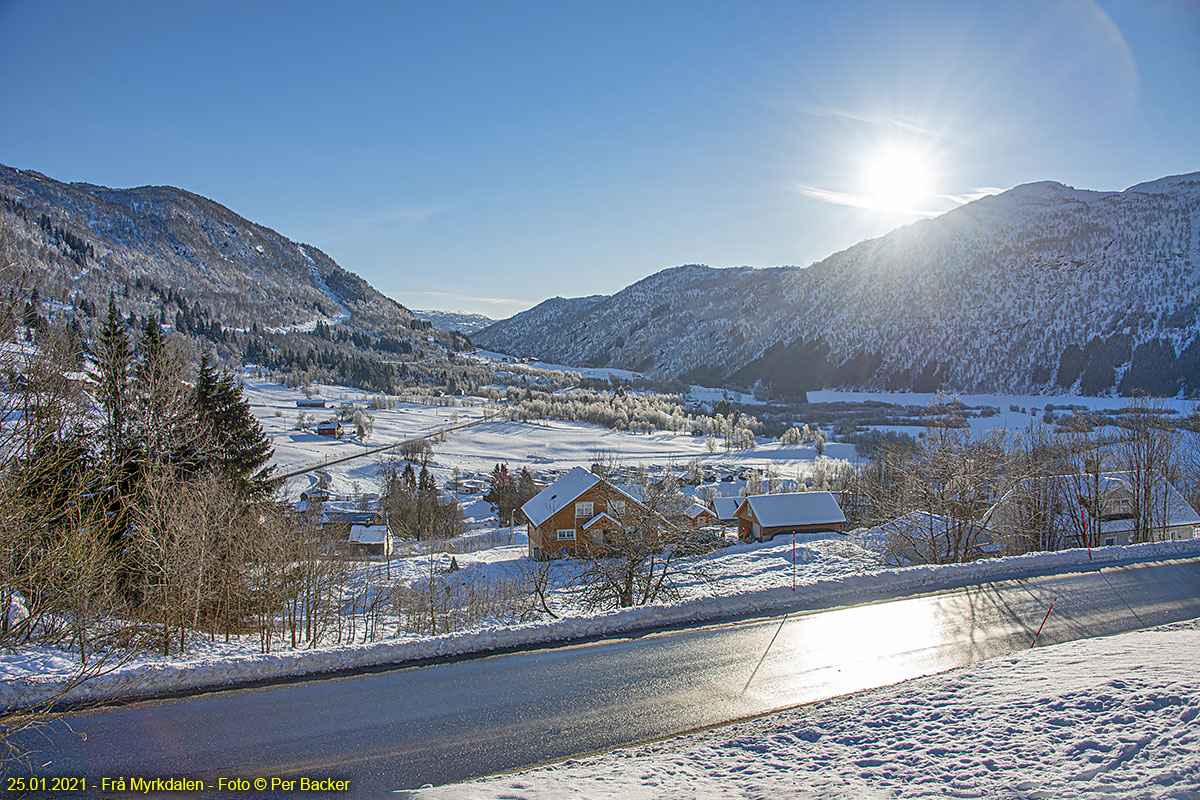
898	179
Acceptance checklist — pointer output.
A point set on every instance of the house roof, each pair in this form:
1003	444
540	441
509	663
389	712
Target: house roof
726	507
368	534
794	508
558	495
696	509
596	519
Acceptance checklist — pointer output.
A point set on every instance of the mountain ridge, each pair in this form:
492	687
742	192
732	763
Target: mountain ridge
1041	288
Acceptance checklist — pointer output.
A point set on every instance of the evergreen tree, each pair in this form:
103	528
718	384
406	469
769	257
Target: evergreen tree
162	405
237	446
502	492
526	488
113	360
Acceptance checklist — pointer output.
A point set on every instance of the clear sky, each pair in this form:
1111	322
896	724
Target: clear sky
487	155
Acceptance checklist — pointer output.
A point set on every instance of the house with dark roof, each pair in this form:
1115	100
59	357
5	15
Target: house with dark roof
762	517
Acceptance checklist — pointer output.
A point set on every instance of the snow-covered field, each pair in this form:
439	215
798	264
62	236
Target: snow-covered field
1096	718
542	445
1034	406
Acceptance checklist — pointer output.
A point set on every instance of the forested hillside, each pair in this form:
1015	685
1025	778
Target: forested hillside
1041	288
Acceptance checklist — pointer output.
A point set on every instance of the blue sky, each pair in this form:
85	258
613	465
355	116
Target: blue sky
487	155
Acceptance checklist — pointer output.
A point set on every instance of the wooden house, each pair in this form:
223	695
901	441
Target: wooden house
698	516
762	517
571	516
331	428
310	402
725	508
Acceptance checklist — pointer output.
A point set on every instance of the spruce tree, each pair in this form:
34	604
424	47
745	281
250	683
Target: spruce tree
237	446
113	359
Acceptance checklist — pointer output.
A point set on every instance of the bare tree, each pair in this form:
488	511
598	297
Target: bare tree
640	552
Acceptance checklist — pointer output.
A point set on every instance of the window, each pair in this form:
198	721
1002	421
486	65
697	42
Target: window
616	506
566	534
1109	541
583	510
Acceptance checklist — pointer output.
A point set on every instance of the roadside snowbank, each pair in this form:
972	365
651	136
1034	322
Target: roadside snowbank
1095	718
32	676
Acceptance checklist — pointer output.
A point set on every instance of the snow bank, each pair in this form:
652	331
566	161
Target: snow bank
1095	718
32	680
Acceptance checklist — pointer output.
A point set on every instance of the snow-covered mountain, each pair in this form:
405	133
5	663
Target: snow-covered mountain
462	321
1043	287
85	243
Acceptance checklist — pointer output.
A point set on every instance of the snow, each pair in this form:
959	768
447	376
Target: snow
1012	420
1094	718
739	580
795	508
726	507
603	373
308	327
558	495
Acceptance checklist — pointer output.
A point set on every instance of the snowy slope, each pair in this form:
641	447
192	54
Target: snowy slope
1040	288
1095	718
463	321
141	243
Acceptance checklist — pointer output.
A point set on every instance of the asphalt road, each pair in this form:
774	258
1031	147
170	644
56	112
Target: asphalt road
450	721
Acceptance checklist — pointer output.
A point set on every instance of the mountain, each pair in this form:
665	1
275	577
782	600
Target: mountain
85	243
1040	288
462	321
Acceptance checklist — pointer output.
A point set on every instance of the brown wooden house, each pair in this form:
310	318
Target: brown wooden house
762	517
571	516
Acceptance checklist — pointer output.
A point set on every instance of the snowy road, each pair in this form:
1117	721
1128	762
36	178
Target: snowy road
402	728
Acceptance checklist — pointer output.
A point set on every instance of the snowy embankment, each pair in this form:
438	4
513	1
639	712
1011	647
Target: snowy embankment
29	680
1095	718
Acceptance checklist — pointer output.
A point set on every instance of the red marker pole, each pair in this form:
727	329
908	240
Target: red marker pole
1039	631
793	561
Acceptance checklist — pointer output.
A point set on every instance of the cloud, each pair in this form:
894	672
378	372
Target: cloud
881	120
860	201
973	194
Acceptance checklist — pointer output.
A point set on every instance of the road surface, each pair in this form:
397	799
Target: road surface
405	727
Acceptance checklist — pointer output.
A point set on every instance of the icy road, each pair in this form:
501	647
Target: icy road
404	727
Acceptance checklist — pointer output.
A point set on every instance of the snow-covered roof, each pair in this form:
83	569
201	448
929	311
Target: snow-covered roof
696	509
558	495
726	507
794	508
368	534
596	520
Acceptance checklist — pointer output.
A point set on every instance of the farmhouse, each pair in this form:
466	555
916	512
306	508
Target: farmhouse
812	514
726	508
570	516
330	428
310	402
372	539
698	516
